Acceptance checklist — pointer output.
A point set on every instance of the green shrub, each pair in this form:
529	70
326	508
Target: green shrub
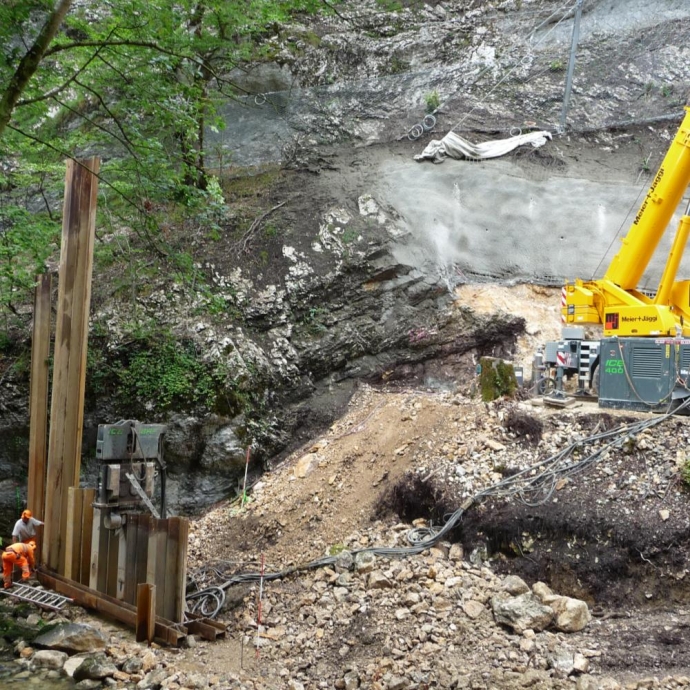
166	372
433	101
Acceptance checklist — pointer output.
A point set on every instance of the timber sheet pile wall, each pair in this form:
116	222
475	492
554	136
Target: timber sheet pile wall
115	561
78	551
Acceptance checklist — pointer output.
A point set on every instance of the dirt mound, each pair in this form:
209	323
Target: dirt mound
615	534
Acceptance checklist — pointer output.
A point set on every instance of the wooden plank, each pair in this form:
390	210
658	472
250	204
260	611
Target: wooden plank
95	549
112	562
130	581
122	564
69	371
103	539
73	534
89	496
161	567
181	571
146	612
165	630
142	549
152	551
220	627
38	399
171	550
202	627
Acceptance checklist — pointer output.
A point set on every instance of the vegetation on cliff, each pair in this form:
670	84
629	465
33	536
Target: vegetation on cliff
137	82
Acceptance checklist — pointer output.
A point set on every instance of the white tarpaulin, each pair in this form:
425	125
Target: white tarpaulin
454	146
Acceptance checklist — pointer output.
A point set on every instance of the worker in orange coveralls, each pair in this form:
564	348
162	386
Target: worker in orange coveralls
17	554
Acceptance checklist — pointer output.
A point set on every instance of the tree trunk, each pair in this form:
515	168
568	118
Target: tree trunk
29	63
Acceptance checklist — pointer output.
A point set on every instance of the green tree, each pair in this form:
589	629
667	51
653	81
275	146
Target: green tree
137	81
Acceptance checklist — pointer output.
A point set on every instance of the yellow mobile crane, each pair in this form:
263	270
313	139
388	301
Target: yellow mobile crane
645	352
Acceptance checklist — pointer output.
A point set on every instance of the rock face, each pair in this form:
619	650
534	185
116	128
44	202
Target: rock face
356	279
72	638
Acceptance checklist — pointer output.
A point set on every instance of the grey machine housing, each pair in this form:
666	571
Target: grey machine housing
572	355
648	374
130	454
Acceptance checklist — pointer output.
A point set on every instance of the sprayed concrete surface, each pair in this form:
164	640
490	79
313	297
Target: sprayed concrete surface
488	221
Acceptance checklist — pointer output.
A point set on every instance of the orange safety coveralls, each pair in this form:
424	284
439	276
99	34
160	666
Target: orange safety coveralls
17	554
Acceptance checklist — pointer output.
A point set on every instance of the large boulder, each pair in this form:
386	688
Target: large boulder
522	612
94	667
572	615
72	638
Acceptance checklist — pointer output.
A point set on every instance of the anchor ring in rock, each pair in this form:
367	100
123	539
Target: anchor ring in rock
428	123
515	131
415	132
259	99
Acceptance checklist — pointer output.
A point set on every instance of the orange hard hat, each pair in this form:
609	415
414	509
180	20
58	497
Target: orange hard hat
27	514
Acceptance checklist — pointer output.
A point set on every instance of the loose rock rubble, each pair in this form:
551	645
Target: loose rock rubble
453	616
448	617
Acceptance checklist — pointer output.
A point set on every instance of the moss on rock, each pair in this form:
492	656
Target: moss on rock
496	379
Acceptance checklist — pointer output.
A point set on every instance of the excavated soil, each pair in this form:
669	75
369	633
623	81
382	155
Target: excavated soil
616	535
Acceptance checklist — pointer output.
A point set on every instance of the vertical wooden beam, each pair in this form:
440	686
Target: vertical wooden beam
122	564
162	566
171	581
74	534
71	333
181	569
152	553
113	554
139	569
132	528
86	532
146	612
95	570
38	398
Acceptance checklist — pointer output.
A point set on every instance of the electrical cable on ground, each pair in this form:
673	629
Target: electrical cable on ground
529	488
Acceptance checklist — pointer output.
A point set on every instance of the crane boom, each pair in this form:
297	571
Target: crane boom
615	300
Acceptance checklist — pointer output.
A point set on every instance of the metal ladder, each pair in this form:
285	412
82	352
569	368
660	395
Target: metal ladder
40	597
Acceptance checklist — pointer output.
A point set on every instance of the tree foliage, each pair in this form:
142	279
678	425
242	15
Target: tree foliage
135	81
